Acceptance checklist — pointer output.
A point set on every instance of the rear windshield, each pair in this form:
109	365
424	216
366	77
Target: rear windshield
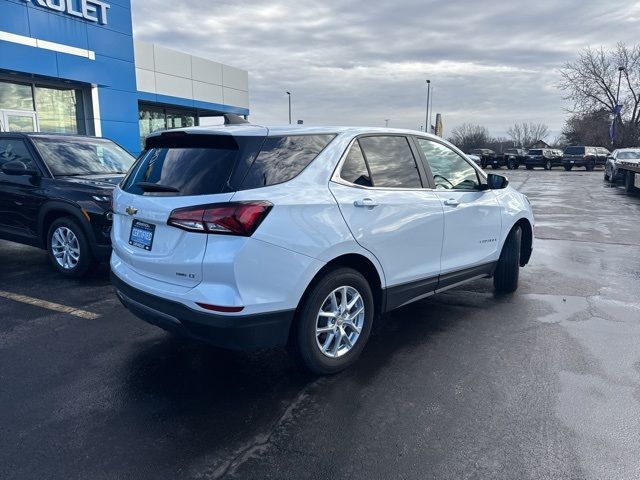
83	156
220	163
574	151
535	152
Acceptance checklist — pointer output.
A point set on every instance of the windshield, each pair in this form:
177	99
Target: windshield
83	156
628	155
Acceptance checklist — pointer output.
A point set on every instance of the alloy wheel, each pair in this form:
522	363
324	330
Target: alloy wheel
65	248
340	321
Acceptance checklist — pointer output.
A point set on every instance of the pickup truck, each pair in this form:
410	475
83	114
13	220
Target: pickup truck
512	158
546	158
630	170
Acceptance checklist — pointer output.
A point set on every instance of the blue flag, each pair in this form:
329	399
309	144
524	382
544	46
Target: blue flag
612	127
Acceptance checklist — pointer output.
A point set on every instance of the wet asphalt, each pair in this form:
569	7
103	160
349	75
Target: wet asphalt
541	384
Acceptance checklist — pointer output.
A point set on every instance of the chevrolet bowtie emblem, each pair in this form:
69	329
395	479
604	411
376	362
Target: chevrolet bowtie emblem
131	210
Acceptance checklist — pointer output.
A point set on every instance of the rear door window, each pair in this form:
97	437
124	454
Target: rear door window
214	164
282	158
354	170
391	162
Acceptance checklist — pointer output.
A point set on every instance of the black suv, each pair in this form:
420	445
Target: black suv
581	156
55	194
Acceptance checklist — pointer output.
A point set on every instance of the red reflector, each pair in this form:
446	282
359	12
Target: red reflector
219	308
233	218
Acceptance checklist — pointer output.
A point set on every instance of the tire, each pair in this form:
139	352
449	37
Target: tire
590	166
629	180
59	240
483	163
516	165
547	165
529	167
511	165
494	166
307	341
607	178
505	278
568	168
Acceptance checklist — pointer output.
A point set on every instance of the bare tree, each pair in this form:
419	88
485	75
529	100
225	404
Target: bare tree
499	144
469	136
591	82
593	129
524	134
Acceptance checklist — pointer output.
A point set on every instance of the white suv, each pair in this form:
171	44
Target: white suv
251	237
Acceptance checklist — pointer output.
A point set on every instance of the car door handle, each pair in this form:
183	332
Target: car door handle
366	202
452	202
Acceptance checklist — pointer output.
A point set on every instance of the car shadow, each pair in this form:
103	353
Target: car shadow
231	398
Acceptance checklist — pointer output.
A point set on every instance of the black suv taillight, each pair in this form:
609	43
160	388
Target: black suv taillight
232	218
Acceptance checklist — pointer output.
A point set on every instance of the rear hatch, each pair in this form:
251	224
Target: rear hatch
177	169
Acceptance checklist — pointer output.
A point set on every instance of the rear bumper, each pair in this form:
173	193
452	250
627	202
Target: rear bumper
578	162
540	161
237	332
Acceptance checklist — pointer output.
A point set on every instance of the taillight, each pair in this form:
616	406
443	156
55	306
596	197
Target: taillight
233	218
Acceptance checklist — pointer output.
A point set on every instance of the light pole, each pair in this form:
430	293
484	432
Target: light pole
386	123
426	115
620	70
289	94
617	108
430	111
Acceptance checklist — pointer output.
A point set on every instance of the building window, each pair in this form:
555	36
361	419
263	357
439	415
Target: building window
16	96
59	110
153	119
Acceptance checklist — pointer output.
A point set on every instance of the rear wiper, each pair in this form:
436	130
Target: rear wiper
156	187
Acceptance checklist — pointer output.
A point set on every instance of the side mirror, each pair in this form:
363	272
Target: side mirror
16	167
496	182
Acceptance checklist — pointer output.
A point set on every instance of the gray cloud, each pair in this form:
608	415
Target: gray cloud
358	63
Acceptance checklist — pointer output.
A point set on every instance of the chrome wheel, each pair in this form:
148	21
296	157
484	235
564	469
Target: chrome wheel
340	321
65	248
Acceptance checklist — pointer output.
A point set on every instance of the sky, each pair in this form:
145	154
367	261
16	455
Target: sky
360	62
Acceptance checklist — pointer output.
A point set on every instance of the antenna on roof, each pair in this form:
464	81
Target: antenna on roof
233	119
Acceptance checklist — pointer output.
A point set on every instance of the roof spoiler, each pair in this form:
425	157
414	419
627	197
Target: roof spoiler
233	119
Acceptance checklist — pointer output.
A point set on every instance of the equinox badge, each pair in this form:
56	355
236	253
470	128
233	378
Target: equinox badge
131	210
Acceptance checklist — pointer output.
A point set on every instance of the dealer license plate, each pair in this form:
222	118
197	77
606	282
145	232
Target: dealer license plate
142	235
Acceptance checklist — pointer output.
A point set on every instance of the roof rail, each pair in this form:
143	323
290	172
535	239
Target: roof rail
233	119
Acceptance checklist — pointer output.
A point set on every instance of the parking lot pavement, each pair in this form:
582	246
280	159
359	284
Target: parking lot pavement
540	384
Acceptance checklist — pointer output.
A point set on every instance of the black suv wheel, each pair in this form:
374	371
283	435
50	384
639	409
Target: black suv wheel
547	165
68	248
568	167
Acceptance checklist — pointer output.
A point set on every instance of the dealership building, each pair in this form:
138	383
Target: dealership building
73	66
